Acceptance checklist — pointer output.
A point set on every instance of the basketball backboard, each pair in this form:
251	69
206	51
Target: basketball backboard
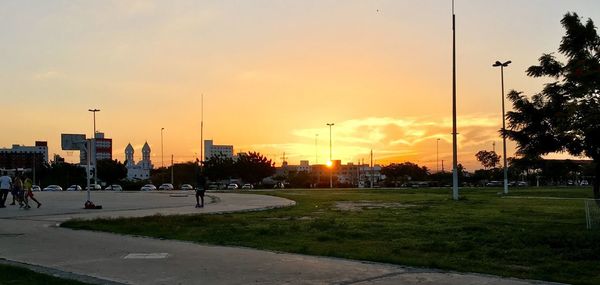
72	141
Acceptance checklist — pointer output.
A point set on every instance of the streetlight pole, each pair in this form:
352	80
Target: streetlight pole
330	157
437	155
502	66
202	130
316	149
162	151
94	148
454	133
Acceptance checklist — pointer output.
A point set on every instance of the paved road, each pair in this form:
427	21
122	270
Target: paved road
34	238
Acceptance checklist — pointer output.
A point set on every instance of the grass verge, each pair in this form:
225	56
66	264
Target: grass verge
14	275
484	232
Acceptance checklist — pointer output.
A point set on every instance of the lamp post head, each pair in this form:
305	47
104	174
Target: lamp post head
94	110
503	64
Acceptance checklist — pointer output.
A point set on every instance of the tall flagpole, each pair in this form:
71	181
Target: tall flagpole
454	146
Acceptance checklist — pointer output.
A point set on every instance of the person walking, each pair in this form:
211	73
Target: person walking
27	186
200	190
18	190
5	186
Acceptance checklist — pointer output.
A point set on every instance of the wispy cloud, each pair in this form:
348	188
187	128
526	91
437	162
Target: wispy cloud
391	139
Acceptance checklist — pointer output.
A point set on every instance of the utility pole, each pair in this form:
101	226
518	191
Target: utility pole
172	167
330	157
162	150
372	171
454	133
202	128
316	149
494	147
437	156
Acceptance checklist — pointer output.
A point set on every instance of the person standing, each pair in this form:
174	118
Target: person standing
18	190
27	186
5	187
200	190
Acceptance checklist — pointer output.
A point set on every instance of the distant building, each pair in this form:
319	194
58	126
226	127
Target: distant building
24	157
103	149
211	150
140	170
357	175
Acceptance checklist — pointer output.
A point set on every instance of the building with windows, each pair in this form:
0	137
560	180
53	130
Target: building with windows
24	157
140	170
354	175
103	149
211	149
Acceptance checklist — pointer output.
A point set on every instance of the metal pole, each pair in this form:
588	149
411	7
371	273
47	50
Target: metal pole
172	167
372	171
95	155
437	156
316	149
502	65
503	135
454	142
93	147
202	130
89	153
162	152
330	157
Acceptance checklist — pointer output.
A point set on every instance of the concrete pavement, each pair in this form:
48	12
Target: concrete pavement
33	237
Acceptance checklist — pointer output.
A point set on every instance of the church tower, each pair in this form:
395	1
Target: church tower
146	163
129	155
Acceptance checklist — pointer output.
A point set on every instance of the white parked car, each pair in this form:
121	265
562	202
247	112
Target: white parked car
148	187
187	187
53	188
114	187
247	186
166	186
94	187
232	186
36	188
74	188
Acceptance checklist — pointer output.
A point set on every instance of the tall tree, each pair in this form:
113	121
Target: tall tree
111	171
565	115
219	167
253	167
489	159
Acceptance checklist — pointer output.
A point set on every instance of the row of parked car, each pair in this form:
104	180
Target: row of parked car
230	186
147	187
113	187
165	186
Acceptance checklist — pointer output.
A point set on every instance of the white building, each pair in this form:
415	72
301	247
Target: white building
140	170
211	150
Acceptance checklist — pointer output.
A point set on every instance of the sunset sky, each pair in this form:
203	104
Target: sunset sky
273	73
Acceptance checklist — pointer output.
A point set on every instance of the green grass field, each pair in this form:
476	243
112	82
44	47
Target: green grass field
515	236
13	275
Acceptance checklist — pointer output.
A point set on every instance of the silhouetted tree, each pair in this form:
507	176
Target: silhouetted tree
63	174
253	167
488	159
403	172
565	115
111	171
219	167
